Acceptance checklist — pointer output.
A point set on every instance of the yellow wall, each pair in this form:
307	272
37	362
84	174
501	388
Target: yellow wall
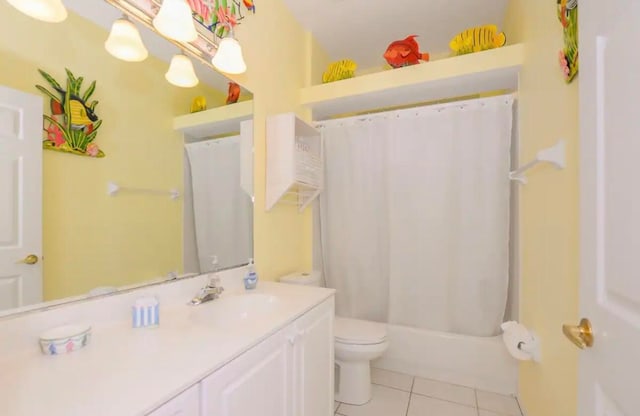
276	49
91	239
549	211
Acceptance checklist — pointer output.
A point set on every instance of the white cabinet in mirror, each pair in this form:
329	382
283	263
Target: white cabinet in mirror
62	236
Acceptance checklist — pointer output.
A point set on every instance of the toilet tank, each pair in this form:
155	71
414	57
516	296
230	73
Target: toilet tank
307	279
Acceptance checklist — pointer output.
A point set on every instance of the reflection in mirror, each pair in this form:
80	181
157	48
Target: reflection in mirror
72	222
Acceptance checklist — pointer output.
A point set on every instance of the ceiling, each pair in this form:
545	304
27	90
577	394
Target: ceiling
103	14
362	29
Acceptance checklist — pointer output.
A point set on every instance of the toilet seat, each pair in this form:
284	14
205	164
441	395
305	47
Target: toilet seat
358	332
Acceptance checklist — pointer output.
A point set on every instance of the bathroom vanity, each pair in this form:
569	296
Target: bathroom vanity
267	352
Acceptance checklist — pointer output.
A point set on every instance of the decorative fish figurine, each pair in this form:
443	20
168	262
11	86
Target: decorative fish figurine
81	115
568	55
198	104
340	70
564	10
404	53
234	93
251	6
477	39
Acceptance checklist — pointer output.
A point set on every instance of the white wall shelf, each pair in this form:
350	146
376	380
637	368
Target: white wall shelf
214	122
294	162
464	75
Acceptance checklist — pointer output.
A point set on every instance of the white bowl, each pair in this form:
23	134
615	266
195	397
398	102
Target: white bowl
64	339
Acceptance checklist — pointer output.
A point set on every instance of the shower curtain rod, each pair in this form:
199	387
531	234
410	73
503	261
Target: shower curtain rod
510	97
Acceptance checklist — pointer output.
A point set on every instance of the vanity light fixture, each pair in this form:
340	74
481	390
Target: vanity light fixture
181	72
52	11
124	41
228	57
175	21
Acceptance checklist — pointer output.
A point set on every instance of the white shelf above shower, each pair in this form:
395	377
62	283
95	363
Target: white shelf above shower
465	75
214	122
294	162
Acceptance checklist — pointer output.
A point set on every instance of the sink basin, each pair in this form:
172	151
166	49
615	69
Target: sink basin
228	311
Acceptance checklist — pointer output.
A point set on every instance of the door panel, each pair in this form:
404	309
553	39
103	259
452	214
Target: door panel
610	206
10	174
314	380
186	404
604	405
20	197
256	383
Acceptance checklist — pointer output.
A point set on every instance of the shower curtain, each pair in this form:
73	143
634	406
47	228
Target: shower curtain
414	218
223	212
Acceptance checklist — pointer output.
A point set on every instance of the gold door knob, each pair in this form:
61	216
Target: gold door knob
30	259
581	335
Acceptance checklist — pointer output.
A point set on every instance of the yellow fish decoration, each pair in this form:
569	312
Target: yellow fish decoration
477	39
339	70
198	104
81	116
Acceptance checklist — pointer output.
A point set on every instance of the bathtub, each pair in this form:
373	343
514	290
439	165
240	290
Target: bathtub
478	362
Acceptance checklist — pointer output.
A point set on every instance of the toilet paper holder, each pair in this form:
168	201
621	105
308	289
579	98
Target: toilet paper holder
526	343
531	347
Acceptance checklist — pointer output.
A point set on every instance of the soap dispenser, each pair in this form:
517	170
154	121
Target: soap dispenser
251	278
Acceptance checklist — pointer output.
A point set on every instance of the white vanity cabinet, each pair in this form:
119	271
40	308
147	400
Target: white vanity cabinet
186	404
288	374
256	383
313	381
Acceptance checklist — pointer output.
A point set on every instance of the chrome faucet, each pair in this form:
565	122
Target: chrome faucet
211	291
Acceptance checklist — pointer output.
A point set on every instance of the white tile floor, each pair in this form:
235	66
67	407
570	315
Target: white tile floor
396	394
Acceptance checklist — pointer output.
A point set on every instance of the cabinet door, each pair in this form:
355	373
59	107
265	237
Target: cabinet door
313	362
186	404
255	383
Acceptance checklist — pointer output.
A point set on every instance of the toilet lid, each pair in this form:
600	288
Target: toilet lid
355	331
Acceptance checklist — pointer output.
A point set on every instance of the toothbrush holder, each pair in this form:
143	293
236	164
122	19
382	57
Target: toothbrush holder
146	312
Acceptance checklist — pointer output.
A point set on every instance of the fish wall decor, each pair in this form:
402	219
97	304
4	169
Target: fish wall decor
198	104
404	52
73	124
234	93
568	55
340	70
477	39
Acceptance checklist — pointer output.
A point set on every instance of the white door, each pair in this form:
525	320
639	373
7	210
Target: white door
20	198
255	383
610	206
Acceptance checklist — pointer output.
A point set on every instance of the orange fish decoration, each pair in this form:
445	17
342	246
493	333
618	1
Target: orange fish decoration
234	93
404	53
250	5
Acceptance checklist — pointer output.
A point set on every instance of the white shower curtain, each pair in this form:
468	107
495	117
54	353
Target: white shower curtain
223	211
414	219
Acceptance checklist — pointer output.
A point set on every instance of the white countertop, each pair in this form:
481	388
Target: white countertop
127	371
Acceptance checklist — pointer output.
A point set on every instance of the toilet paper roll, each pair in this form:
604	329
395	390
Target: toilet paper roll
517	339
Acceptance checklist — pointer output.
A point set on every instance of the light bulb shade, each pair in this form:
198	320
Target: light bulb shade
46	10
175	21
229	58
181	72
124	42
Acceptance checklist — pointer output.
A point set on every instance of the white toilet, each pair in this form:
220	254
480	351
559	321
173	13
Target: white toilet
357	342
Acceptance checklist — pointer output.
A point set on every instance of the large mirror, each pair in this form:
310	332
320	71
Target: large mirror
148	199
